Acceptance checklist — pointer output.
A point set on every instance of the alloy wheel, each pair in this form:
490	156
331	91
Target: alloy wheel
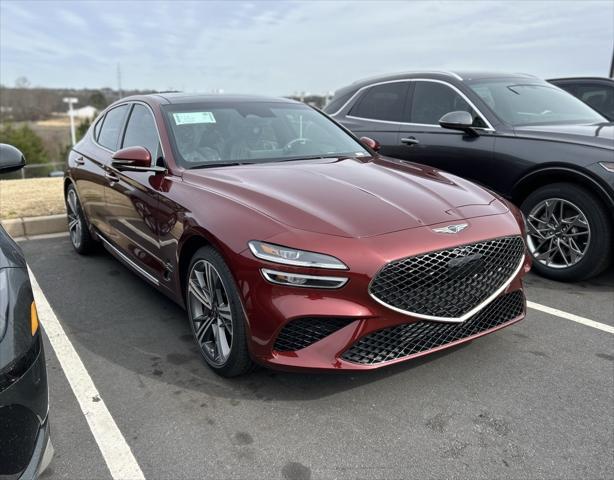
210	312
558	233
74	219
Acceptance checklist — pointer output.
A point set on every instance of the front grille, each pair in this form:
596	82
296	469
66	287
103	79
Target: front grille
448	283
302	332
411	338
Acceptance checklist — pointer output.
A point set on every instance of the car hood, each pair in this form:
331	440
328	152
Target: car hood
349	197
597	135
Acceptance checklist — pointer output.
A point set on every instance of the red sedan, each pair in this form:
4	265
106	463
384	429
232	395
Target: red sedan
289	242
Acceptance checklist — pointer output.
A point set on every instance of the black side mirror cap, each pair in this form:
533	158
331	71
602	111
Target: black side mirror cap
11	158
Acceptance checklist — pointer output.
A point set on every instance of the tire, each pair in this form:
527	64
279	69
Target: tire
78	226
578	245
216	319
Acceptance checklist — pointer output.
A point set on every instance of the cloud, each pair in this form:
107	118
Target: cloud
71	19
282	47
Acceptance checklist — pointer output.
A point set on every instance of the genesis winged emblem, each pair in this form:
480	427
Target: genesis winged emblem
451	228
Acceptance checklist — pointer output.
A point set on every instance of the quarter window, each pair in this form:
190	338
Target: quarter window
97	128
111	127
432	100
382	102
141	130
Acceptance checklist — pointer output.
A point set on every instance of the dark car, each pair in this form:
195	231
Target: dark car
524	138
597	92
288	241
25	445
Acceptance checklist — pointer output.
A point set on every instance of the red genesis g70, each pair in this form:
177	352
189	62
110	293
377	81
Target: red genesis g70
289	242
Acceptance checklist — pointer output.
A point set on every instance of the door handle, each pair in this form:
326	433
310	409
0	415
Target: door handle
111	177
409	141
80	161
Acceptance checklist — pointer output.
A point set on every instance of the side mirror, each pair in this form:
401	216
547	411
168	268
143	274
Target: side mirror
134	159
11	158
459	120
369	142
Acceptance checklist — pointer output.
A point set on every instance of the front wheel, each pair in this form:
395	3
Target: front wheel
216	315
569	233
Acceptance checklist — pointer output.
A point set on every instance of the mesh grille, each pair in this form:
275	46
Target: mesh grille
448	283
302	332
411	338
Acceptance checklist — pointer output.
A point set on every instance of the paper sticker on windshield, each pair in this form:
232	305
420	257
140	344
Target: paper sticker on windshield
186	118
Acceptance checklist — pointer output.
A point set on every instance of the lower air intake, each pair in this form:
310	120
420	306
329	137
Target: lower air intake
302	332
411	338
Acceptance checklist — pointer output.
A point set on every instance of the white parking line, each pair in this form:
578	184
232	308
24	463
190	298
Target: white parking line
113	446
570	316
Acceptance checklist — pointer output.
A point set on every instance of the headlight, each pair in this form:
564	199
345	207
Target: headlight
299	280
609	166
292	256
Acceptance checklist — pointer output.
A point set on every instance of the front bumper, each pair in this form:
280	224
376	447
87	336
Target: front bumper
25	447
376	342
352	315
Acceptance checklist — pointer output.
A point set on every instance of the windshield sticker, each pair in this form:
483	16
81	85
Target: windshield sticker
188	118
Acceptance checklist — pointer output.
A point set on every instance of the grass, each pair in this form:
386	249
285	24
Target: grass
31	197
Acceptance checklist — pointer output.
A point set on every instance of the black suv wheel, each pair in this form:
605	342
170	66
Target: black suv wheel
569	233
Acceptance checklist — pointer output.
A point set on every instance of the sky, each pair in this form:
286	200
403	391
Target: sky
286	47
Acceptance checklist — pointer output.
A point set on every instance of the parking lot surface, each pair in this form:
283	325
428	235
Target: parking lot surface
535	400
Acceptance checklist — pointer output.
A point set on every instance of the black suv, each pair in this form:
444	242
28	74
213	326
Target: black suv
597	92
530	141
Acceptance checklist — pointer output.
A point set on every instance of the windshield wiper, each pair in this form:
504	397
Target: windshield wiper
295	159
219	164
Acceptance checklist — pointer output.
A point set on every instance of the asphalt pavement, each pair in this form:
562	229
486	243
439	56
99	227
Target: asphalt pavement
535	400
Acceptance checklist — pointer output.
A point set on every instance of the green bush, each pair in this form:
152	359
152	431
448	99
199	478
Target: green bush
26	140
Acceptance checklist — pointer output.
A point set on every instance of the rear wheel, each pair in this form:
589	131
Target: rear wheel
78	229
569	233
216	315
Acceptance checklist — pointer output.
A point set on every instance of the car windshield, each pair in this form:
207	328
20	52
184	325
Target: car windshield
523	104
215	134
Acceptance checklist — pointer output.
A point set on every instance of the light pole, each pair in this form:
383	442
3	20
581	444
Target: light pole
71	114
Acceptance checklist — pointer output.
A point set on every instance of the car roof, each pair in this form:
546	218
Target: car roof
582	79
166	98
455	76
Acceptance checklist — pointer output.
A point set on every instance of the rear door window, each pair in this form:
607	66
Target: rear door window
111	127
382	102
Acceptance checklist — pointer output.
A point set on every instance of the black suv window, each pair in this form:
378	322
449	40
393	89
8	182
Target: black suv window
382	102
141	130
111	127
432	100
599	97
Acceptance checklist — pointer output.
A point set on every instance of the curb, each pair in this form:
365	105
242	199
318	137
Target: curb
29	226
